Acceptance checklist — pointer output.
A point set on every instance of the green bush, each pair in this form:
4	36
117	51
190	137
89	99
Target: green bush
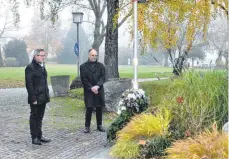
155	147
118	124
17	49
76	93
11	62
196	101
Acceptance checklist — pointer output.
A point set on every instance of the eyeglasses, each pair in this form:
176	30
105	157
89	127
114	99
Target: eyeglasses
41	55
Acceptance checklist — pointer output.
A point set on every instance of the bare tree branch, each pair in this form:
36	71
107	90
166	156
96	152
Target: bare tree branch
7	28
218	46
99	2
122	6
221	6
92	6
125	18
96	5
120	24
103	8
88	22
84	6
4	27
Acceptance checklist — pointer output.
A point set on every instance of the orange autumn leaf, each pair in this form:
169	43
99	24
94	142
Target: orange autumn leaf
180	100
142	142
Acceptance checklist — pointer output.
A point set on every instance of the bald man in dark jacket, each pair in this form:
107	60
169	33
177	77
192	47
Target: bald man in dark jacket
92	75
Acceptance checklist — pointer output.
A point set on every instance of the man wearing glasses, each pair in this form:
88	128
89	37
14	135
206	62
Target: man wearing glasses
92	75
38	94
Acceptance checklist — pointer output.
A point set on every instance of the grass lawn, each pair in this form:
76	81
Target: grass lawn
11	77
69	113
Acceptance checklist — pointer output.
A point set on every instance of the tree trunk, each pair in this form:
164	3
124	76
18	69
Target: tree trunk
96	46
219	60
178	65
226	57
192	62
111	42
166	56
1	59
97	35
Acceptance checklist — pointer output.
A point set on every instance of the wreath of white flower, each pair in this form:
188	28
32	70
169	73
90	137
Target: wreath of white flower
130	99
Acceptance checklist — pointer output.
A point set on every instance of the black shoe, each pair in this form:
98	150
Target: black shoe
43	139
36	141
101	129
86	130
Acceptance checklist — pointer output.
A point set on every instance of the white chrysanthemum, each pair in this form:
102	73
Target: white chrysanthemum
141	92
138	96
131	96
123	108
225	127
119	112
120	103
134	97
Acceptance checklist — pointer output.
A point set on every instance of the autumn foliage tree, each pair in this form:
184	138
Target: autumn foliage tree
44	34
162	22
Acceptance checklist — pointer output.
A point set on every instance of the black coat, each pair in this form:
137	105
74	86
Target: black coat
91	77
36	83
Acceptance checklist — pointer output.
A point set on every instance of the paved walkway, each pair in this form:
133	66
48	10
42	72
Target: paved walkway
15	139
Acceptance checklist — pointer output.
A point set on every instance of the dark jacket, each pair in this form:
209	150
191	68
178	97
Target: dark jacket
36	83
92	76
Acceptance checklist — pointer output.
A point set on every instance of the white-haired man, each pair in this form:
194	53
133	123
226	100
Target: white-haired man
38	94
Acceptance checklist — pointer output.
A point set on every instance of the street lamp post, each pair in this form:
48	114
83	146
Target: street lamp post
77	18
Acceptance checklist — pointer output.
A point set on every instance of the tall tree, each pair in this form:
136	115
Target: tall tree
17	48
196	53
111	43
97	7
44	34
67	55
14	6
1	58
160	23
6	27
218	39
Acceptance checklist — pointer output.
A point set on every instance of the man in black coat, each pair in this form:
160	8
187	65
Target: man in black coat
92	75
38	95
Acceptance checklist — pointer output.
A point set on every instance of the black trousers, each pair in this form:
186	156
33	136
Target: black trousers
98	116
35	121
